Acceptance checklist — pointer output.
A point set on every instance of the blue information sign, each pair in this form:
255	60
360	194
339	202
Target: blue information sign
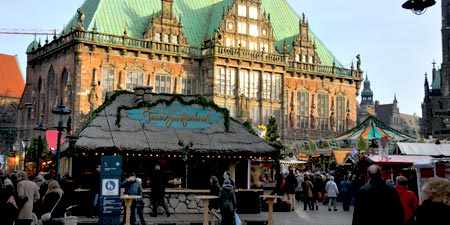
111	171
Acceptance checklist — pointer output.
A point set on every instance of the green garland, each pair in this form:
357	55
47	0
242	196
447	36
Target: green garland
199	100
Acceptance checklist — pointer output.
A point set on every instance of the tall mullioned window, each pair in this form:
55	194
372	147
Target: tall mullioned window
108	76
303	109
225	81
340	113
189	86
271	86
323	109
163	84
134	79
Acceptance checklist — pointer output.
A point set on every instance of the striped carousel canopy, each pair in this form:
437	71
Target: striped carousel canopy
372	128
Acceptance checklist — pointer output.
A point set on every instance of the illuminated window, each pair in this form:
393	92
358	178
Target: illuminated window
253	30
242	10
253	12
242	28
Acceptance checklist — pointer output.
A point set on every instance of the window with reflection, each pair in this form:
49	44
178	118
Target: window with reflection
189	86
340	113
323	111
162	84
134	79
303	109
225	81
242	10
108	76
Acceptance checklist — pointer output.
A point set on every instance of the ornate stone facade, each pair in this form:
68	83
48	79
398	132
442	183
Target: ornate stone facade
245	61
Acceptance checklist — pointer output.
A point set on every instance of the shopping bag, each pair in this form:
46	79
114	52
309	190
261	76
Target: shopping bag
237	220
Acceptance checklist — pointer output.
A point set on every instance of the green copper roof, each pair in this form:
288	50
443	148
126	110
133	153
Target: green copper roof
199	19
436	85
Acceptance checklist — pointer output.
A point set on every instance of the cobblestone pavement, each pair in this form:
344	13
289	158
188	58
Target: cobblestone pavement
297	217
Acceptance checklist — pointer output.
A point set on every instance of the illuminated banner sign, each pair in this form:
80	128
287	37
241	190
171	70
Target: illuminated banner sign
176	115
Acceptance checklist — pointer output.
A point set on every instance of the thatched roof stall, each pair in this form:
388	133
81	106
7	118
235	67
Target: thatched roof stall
154	127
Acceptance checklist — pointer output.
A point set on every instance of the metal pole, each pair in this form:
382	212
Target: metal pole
58	149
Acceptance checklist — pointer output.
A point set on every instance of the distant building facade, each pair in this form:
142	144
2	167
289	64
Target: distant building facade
436	102
11	89
255	57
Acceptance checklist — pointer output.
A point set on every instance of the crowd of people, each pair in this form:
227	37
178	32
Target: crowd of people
24	201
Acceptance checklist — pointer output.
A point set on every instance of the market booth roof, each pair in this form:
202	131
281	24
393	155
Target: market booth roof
424	149
372	128
168	124
398	159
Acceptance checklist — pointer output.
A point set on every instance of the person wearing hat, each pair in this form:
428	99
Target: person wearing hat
132	187
227	199
42	186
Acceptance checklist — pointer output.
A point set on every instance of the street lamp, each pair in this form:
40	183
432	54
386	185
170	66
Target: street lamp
418	7
40	148
25	145
16	147
60	110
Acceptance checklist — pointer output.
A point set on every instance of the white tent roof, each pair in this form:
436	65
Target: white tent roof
430	149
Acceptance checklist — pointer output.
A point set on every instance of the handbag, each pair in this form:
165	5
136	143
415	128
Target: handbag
47	216
12	201
237	220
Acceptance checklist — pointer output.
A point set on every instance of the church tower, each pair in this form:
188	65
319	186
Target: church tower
436	104
367	106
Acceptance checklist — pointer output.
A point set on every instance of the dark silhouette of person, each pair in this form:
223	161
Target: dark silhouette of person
132	187
214	189
158	191
376	202
227	199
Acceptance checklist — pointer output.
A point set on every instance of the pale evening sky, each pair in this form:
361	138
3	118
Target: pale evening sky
396	46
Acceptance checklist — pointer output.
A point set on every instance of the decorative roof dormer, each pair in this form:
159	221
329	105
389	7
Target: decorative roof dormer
165	27
304	49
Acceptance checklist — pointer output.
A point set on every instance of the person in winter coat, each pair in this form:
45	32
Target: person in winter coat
27	191
214	189
435	208
377	203
227	199
332	191
308	193
408	198
8	206
158	187
140	204
54	200
291	184
132	187
299	188
345	192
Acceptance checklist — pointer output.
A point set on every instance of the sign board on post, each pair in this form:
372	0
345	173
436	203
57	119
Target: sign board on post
111	171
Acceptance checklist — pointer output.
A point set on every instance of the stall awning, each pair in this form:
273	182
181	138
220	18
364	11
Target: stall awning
292	162
424	149
398	159
341	155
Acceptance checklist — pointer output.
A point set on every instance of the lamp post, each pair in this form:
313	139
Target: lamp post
40	148
25	145
60	110
418	7
16	147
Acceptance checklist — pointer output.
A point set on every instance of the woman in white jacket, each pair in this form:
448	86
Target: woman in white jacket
332	192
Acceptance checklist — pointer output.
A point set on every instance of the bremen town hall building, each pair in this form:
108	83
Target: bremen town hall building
255	57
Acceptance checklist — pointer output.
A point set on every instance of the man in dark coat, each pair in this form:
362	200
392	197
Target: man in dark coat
158	188
376	202
227	199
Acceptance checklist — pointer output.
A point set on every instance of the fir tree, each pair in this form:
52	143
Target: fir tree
272	130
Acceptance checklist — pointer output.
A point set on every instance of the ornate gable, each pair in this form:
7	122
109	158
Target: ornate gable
165	26
244	25
304	49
